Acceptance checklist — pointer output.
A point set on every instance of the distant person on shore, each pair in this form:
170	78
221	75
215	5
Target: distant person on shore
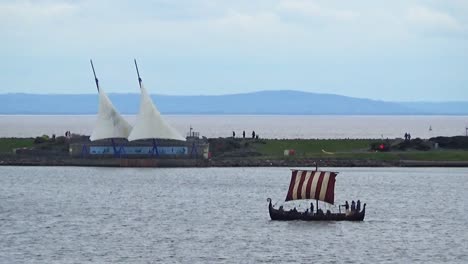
312	207
409	136
243	134
233	134
406	136
253	134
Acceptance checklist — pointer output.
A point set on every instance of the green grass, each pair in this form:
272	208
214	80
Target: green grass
306	147
8	144
349	149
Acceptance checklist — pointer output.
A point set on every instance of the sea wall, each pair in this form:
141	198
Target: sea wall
19	160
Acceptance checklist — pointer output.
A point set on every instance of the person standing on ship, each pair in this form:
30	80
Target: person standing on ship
346	207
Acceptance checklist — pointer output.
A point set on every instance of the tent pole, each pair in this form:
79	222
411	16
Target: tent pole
116	151
155	148
95	78
138	73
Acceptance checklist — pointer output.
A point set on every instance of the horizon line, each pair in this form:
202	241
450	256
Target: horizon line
233	94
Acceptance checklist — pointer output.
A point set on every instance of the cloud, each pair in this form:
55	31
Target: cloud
214	28
29	11
311	8
262	21
433	21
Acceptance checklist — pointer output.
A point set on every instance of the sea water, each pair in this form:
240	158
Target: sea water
220	215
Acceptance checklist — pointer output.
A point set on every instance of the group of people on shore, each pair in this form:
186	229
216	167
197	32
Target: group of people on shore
254	136
407	136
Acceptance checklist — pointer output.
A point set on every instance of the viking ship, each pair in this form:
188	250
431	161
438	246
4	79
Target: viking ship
316	185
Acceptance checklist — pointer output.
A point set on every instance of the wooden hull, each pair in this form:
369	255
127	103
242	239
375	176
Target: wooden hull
276	214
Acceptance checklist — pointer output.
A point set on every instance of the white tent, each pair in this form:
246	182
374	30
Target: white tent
109	124
150	124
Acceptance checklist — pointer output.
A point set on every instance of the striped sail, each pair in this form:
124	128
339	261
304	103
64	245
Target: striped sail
318	185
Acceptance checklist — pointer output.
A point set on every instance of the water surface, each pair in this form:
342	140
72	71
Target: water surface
220	215
266	126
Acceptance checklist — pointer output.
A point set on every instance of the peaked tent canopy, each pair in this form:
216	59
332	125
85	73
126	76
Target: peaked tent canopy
150	124
109	124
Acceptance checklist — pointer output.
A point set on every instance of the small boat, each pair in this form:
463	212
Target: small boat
319	186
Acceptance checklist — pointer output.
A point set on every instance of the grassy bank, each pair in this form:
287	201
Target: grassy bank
349	149
304	147
247	149
8	144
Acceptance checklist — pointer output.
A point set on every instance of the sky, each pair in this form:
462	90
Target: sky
399	50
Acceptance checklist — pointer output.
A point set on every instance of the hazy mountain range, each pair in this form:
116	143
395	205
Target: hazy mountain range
265	102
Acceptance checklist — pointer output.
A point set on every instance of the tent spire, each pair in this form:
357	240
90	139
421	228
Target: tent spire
109	123
149	123
138	73
95	78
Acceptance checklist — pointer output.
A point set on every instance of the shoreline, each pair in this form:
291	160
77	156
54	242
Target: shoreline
10	160
234	152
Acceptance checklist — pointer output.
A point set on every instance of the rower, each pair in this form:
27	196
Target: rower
358	206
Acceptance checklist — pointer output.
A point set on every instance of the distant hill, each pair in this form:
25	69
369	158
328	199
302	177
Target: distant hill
265	102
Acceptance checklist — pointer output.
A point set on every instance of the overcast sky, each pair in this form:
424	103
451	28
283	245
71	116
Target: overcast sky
397	50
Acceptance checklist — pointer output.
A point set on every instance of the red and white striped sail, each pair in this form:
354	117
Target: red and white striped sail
318	185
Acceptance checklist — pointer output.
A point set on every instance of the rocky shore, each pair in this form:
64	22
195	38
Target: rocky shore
15	160
230	152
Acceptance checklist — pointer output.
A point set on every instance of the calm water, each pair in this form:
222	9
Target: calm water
220	215
266	126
